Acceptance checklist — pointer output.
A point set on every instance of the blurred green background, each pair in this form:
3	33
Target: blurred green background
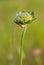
10	33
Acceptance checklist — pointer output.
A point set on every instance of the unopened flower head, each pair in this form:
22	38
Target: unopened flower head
24	18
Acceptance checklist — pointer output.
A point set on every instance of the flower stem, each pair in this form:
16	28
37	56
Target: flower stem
38	60
21	47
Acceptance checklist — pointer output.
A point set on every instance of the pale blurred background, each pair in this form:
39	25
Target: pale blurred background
10	33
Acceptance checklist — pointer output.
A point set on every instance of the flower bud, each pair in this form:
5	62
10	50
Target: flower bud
23	18
36	52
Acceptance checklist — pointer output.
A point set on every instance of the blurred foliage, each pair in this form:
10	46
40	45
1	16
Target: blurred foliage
10	33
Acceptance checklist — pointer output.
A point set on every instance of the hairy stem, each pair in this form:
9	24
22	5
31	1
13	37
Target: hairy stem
21	47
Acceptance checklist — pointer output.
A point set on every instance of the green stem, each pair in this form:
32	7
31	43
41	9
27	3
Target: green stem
21	47
38	60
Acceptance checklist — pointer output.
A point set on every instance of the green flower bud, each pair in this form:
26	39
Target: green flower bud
23	18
